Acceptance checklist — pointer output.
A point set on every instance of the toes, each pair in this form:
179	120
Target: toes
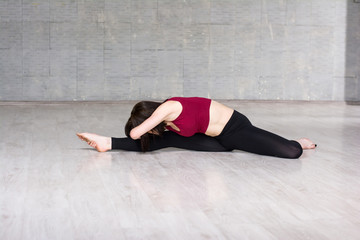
312	146
82	137
79	135
86	139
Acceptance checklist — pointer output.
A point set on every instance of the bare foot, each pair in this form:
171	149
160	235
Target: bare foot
306	143
100	143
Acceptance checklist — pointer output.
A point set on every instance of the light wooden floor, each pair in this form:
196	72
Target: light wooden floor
53	186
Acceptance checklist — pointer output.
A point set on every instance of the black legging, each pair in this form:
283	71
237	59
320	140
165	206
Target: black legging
238	133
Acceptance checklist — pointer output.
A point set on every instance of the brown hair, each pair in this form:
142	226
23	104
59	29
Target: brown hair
140	112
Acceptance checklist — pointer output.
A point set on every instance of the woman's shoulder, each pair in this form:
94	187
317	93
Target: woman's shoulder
170	103
170	108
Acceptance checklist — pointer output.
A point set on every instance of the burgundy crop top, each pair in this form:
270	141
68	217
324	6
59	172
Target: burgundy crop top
195	115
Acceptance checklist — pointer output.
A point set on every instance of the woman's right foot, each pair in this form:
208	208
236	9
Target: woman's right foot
100	143
306	143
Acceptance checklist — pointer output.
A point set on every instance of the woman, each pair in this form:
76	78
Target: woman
195	124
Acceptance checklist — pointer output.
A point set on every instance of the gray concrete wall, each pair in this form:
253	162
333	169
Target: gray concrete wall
142	49
352	64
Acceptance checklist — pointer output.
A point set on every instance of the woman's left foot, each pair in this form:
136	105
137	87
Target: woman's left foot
306	143
100	143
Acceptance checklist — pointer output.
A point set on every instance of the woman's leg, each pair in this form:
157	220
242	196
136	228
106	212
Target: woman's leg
240	134
262	142
197	142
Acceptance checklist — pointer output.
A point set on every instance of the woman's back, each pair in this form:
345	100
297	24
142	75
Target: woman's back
219	116
191	117
198	115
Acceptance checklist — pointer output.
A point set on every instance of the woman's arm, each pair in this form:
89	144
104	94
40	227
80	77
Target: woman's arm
158	116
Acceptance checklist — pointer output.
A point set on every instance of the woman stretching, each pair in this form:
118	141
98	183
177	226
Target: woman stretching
195	124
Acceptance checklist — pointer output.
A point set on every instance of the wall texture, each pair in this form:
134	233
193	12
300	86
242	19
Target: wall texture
141	49
352	61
